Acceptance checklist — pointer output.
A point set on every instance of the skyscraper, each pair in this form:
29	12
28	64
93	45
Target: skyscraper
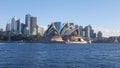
87	31
92	34
33	25
8	27
26	31
57	25
27	22
18	26
23	26
13	24
99	35
81	30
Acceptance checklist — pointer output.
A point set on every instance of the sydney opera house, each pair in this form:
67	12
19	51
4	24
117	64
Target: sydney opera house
52	34
67	33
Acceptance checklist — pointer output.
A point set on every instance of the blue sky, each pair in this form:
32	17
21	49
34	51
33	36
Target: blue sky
98	13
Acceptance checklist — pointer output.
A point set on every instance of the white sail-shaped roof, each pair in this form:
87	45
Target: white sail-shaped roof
68	30
51	29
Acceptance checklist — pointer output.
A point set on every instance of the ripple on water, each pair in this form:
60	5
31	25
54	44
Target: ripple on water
35	55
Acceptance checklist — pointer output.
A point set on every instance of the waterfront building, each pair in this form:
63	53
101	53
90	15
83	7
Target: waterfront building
92	34
28	22
1	29
87	31
26	30
69	31
81	31
40	31
18	26
23	26
33	25
113	39
8	27
52	34
64	29
57	25
34	32
13	24
99	35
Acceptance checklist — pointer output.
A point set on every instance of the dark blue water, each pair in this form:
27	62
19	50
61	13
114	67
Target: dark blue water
38	55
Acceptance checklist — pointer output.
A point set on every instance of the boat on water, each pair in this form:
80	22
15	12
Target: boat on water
76	40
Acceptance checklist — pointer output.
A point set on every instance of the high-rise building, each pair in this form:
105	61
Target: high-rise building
18	26
81	30
57	25
26	31
87	31
99	35
28	22
23	26
33	25
92	33
13	24
1	29
40	31
8	27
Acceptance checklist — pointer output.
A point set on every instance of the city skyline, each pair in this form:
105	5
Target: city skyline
101	14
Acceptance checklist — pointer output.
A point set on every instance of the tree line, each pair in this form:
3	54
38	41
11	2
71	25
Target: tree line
19	37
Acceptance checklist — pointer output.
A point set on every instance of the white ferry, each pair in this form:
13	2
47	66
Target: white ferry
77	40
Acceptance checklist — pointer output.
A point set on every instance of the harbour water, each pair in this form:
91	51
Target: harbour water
53	55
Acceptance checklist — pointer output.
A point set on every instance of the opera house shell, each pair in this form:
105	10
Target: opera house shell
52	35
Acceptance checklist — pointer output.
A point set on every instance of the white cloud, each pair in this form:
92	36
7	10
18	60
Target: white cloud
107	32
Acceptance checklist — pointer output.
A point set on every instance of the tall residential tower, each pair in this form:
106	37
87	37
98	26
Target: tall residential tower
14	25
27	22
33	26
